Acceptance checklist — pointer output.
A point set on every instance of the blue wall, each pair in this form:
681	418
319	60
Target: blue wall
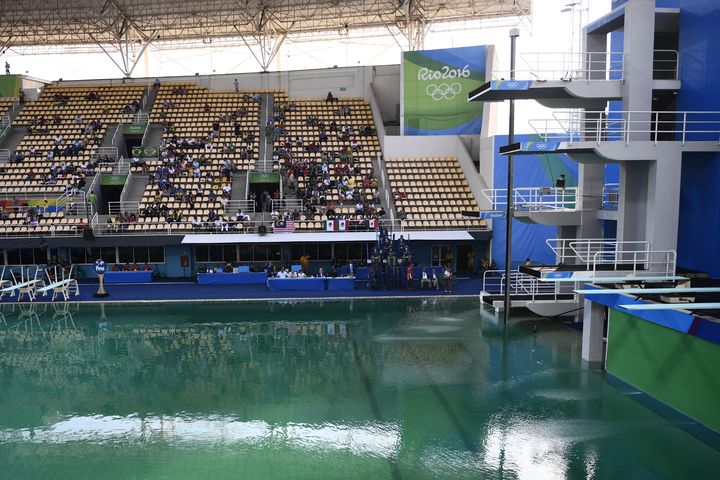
530	171
700	77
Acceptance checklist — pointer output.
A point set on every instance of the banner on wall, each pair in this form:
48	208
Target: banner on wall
436	84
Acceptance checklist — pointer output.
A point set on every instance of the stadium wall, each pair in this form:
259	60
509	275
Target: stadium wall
699	224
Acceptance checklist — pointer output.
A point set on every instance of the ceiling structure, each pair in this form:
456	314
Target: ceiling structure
123	29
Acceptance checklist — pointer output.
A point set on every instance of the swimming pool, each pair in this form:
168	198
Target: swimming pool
411	389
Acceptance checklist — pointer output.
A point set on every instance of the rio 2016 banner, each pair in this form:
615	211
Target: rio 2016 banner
436	84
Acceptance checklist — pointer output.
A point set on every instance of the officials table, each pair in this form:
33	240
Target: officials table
341	283
222	278
296	283
129	277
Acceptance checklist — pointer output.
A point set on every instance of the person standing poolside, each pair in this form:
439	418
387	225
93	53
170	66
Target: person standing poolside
447	276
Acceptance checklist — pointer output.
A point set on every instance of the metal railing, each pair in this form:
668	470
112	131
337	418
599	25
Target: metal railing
595	254
537	199
64	202
493	283
4	126
126	187
626	126
247	206
666	64
567	66
109	151
141	119
287	205
611	196
115	208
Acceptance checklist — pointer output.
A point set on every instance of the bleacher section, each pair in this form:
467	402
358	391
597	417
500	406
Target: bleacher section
431	193
206	136
335	173
6	104
29	222
65	128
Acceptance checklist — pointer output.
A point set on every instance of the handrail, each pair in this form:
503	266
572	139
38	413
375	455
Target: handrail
669	67
568	66
625	126
535	198
125	190
115	208
611	196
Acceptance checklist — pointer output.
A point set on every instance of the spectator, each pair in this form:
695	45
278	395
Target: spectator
7	68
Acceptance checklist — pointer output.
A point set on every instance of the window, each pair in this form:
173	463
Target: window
141	254
26	256
79	255
440	253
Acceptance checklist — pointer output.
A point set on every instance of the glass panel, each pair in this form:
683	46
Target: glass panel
77	255
215	253
156	254
296	251
141	254
125	254
341	251
108	254
246	253
91	254
26	256
260	253
324	251
355	251
201	253
275	252
13	257
229	253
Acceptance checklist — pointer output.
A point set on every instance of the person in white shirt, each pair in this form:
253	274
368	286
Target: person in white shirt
301	274
274	215
435	282
424	279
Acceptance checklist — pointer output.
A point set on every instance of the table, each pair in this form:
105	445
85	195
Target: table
223	278
129	277
341	283
296	283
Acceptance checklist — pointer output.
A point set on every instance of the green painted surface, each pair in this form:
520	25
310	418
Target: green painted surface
262	177
10	85
113	179
678	369
383	389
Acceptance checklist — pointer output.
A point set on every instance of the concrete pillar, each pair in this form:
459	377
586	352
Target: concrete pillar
591	179
593	328
632	201
639	42
663	199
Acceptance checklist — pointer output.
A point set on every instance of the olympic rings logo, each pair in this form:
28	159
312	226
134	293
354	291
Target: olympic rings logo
443	91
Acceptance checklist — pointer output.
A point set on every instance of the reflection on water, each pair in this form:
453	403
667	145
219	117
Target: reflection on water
388	389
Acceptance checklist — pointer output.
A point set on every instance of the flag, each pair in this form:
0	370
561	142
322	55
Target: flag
288	226
373	223
342	225
330	225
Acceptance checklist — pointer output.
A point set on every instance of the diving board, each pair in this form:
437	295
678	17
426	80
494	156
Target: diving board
649	278
672	306
61	288
649	291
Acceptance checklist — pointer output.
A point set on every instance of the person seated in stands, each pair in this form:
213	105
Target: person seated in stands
401	214
147	268
367	131
30	174
116	268
434	281
16	157
92	96
156	85
59	140
81	224
330	97
127	267
228	268
136	267
424	279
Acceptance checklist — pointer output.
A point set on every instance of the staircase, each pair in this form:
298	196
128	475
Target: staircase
11	139
264	162
135	188
154	136
239	185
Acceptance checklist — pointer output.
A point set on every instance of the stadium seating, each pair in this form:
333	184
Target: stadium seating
303	120
432	193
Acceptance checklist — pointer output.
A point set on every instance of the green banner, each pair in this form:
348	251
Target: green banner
262	177
133	129
436	84
113	179
10	85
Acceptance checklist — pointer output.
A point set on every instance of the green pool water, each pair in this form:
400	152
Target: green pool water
336	390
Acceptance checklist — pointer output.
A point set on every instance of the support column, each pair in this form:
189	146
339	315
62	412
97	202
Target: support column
593	329
591	180
663	199
632	201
